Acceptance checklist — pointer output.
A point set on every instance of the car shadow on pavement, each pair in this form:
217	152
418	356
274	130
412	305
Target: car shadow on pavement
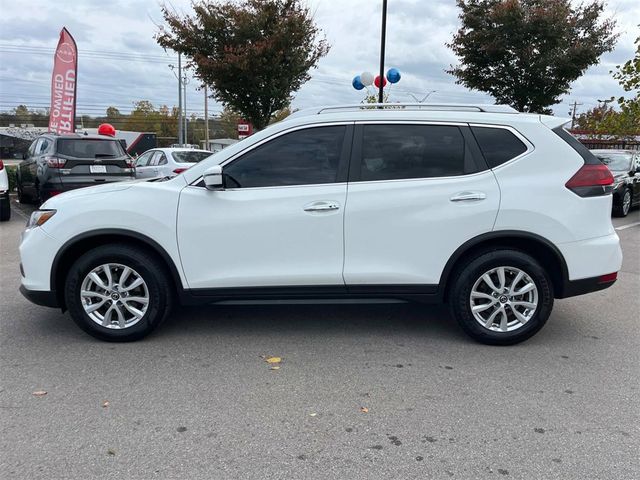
335	319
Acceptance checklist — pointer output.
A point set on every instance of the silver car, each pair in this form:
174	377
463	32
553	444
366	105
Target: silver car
167	162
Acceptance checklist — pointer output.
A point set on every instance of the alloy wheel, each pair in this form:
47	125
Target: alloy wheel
626	202
114	296
504	299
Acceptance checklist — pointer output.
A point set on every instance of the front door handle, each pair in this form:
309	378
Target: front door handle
321	206
468	197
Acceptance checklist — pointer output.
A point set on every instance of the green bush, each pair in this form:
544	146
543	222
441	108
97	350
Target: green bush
11	172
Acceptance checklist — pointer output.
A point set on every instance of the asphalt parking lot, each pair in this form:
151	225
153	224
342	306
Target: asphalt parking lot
362	392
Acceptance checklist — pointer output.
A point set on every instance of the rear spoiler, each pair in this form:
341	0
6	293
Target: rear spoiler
553	122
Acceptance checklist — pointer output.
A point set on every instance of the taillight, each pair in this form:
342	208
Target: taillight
591	181
55	162
179	170
130	163
609	277
1	164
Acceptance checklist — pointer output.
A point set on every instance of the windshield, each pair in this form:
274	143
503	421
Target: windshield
89	148
615	161
190	156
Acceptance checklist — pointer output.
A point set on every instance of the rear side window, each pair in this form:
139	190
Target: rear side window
588	157
392	152
498	145
88	148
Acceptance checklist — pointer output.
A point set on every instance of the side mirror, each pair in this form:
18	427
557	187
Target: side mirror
213	178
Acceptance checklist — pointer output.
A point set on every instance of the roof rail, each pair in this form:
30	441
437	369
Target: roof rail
485	108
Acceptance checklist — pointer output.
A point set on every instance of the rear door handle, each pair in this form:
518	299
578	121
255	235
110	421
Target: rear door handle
468	197
321	206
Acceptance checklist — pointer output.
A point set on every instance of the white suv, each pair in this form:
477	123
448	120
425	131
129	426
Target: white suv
495	212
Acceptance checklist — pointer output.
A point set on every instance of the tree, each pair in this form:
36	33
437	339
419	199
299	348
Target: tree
229	123
526	53
628	75
22	113
253	54
113	113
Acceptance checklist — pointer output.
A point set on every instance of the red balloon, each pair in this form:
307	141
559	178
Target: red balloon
376	81
106	129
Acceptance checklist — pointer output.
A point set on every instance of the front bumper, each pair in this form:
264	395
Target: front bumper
40	297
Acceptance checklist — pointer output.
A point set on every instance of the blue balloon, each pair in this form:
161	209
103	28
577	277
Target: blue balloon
357	83
393	75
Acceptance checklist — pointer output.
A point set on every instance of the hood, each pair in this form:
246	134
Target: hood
82	192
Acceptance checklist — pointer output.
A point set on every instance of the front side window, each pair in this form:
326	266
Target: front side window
303	157
143	159
392	152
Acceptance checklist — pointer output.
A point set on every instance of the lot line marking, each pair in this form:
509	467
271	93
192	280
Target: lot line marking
629	225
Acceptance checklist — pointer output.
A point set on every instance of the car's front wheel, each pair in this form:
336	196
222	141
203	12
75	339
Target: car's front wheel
118	293
501	297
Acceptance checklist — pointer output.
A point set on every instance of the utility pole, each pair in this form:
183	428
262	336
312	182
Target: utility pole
206	118
573	113
383	39
180	136
185	81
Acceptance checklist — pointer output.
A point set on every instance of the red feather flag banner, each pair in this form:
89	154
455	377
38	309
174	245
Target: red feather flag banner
62	116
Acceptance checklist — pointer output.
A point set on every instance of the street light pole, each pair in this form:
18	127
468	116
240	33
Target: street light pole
383	39
206	119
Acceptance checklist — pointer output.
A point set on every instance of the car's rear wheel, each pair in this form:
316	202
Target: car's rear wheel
501	297
118	293
622	208
5	207
22	197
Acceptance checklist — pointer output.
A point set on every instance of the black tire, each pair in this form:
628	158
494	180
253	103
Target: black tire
22	197
466	276
619	209
5	208
148	266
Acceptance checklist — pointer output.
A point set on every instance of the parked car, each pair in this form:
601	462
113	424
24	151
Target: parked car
58	163
494	212
167	162
625	167
5	203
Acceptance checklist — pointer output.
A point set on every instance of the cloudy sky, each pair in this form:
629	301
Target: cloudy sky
119	61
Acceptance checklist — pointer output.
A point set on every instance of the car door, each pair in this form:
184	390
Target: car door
160	164
636	178
278	222
416	193
142	162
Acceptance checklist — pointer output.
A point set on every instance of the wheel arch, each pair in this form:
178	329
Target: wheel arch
86	241
537	246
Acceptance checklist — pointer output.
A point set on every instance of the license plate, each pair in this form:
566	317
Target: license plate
98	168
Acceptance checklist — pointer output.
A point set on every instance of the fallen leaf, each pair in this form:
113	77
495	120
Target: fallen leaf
313	414
39	393
364	409
105	404
273	360
275	367
111	451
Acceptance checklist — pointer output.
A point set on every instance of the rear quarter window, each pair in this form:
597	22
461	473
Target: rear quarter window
498	145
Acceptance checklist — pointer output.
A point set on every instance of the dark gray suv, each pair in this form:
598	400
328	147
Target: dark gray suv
57	163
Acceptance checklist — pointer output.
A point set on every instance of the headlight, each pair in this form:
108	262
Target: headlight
40	217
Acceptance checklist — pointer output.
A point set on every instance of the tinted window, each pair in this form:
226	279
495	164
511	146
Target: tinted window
88	148
44	146
303	157
189	157
413	151
498	145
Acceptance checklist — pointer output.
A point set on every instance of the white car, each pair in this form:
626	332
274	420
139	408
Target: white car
5	203
493	211
168	162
